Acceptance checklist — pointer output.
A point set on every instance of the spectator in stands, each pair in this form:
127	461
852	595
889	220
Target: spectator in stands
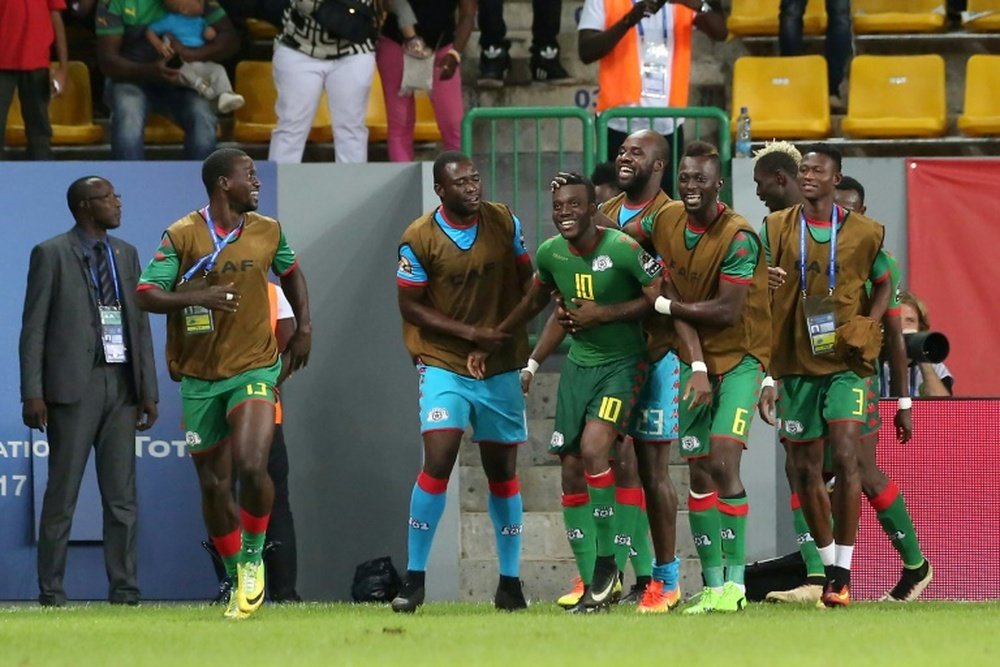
141	80
185	21
494	47
308	59
605	180
435	25
926	379
644	51
839	47
27	30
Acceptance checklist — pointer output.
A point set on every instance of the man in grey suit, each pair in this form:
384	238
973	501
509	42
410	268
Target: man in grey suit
87	375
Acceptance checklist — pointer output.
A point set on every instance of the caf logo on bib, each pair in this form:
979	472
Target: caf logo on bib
602	263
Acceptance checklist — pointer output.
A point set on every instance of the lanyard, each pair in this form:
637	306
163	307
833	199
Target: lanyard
642	33
110	258
207	263
832	272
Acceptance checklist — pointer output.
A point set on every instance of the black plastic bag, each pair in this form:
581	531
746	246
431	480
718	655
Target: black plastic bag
774	574
350	20
375	581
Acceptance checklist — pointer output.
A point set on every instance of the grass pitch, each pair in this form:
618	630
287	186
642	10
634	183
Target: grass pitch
928	633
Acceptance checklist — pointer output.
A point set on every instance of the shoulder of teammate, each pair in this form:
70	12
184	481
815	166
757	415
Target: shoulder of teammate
163	269
544	264
629	255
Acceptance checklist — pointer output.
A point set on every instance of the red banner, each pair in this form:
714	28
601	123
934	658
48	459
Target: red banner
954	234
948	476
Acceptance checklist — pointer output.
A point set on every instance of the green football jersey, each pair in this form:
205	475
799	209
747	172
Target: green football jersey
615	271
886	262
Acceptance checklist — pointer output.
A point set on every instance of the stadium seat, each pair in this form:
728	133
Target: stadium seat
425	128
895	16
261	30
788	98
255	121
982	16
760	17
162	130
981	113
896	96
71	114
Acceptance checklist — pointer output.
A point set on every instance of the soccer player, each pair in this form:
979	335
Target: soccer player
830	253
591	266
462	268
718	284
882	493
209	276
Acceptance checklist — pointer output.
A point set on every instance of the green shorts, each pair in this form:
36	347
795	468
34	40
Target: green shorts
607	392
734	401
206	404
807	404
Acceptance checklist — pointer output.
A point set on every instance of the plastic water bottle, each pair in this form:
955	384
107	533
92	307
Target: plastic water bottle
743	133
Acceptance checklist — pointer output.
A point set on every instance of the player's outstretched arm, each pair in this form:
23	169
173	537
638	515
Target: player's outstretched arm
589	314
723	310
698	390
414	309
881	294
552	335
533	303
899	376
214	297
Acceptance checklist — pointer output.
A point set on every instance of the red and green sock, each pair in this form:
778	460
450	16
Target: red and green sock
807	546
580	532
733	511
229	546
628	507
601	488
898	525
706	528
642	547
254	532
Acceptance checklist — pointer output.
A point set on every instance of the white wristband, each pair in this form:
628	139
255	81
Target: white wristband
662	305
698	366
531	367
768	381
905	403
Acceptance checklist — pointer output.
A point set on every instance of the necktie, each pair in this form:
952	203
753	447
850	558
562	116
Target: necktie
105	280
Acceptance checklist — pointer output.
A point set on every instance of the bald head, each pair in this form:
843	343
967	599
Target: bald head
654	143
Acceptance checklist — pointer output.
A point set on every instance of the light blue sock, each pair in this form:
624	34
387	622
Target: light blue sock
668	573
507	513
426	507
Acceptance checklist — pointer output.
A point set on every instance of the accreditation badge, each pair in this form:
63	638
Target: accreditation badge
821	323
112	334
197	319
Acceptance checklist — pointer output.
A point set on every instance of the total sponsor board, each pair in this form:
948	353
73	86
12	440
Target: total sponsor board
145	447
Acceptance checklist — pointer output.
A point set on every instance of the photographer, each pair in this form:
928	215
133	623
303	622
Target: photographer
926	379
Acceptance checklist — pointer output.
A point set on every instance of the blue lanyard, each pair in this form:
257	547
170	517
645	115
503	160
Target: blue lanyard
207	263
114	274
832	273
642	33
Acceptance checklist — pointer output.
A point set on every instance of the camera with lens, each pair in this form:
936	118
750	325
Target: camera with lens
926	346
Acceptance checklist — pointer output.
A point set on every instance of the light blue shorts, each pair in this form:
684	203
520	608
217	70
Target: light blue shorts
656	411
494	407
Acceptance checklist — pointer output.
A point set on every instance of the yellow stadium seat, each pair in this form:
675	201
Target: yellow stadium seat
162	130
788	98
425	128
70	114
981	113
259	29
760	17
255	121
896	96
898	16
982	16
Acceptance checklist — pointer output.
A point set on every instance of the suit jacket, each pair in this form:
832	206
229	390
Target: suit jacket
60	323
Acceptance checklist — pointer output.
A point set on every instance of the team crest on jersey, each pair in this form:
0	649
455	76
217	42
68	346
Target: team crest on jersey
405	265
557	439
601	263
192	439
437	415
690	443
793	427
649	264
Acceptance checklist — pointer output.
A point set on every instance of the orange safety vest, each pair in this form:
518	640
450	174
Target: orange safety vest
272	301
619	77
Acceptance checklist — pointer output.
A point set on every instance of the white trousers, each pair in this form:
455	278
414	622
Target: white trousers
300	80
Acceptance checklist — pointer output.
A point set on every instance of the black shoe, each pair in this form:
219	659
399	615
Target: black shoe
545	65
494	62
510	595
580	608
911	584
602	585
51	601
635	593
286	597
411	594
227	587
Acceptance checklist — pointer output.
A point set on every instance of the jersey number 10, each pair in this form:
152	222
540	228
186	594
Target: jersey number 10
585	286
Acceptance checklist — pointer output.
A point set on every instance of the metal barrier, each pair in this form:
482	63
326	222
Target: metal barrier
697	114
